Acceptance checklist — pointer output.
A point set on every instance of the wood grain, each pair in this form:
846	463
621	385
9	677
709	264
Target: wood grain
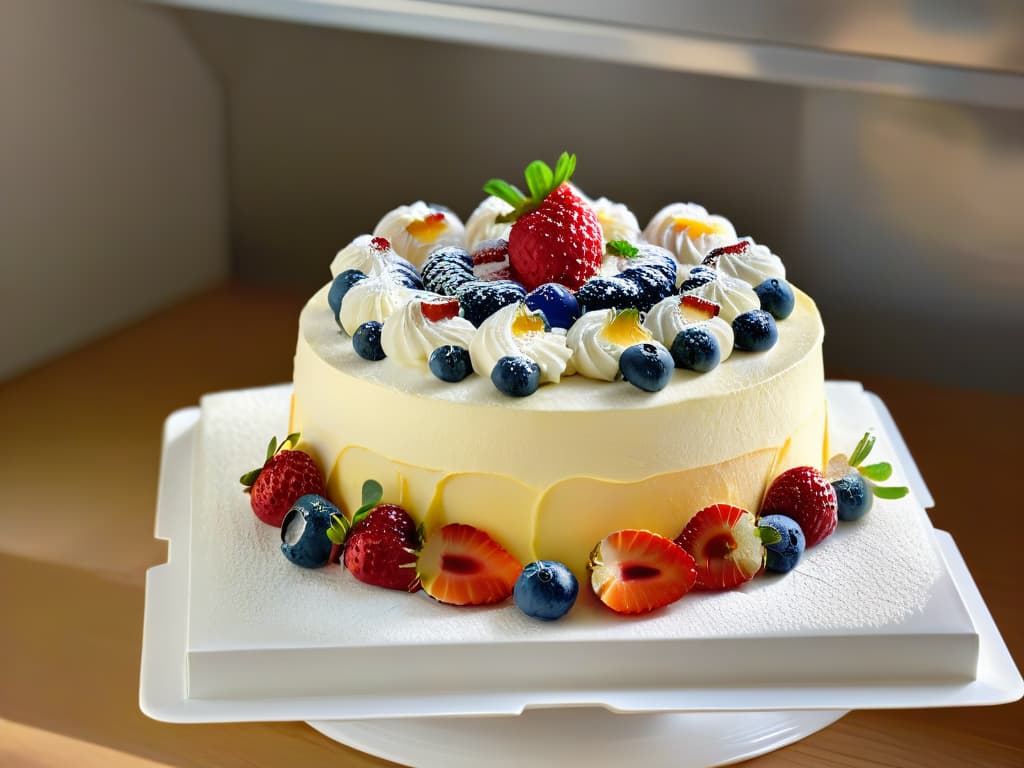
79	468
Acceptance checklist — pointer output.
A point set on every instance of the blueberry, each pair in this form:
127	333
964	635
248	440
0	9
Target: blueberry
557	302
405	272
450	363
339	287
755	331
480	299
698	276
658	258
785	554
447	269
516	376
647	366
546	590
304	531
776	297
853	496
653	284
366	341
696	349
608	293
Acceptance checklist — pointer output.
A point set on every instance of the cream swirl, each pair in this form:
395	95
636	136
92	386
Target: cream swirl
599	338
750	262
415	230
667	318
481	224
516	330
734	296
409	338
689	231
616	220
367	253
375	298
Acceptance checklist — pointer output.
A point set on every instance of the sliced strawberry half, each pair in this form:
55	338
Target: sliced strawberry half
725	544
462	565
636	571
436	311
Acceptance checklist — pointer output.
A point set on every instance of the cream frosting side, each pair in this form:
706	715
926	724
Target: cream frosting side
409	338
481	224
665	321
734	296
375	298
401	224
690	244
496	338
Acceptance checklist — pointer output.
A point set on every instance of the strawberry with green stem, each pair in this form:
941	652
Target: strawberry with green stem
555	237
285	476
855	483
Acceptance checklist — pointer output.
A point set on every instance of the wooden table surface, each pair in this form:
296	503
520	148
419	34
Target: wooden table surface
78	473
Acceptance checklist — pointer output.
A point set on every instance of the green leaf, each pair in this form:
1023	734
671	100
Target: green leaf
505	191
292	440
564	169
768	535
624	248
891	492
250	477
373	492
879	472
335	536
862	450
339	529
538	179
271	447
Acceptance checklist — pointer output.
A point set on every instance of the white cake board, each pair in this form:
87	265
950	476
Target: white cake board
771	717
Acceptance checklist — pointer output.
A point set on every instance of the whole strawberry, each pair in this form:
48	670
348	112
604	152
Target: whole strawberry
285	476
804	495
556	237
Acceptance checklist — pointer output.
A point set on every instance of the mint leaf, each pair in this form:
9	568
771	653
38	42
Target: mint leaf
373	492
768	535
505	191
564	169
272	447
863	449
292	439
879	472
538	179
335	536
624	248
892	492
250	477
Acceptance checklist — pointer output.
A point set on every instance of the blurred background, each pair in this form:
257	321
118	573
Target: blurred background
151	150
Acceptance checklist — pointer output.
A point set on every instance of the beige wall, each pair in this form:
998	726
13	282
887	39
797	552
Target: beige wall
112	174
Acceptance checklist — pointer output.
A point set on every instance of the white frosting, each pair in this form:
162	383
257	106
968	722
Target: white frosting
481	224
665	321
362	255
593	354
375	298
409	338
688	247
394	226
616	220
753	265
734	296
495	339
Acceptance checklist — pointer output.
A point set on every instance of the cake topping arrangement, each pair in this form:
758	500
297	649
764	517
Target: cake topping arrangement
285	475
415	230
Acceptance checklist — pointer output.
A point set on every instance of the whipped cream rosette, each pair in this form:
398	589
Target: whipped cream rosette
367	253
671	315
599	338
375	298
482	223
518	331
616	220
689	231
409	336
734	296
415	230
747	261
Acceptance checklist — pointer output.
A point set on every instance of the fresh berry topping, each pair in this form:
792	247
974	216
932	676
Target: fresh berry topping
304	531
855	483
784	543
339	287
557	302
366	341
653	284
853	497
634	571
608	293
711	260
480	300
698	276
490	260
285	476
695	349
804	495
447	269
461	565
429	228
658	258
404	272
694	309
624	329
776	297
516	376
725	544
556	237
437	310
545	590
647	366
755	331
450	363
380	244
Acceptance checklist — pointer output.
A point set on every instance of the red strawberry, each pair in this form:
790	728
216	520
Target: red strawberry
711	260
556	237
634	571
725	544
804	495
462	565
381	549
443	309
490	260
284	477
695	308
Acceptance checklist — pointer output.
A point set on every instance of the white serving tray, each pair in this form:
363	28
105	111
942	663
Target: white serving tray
164	696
